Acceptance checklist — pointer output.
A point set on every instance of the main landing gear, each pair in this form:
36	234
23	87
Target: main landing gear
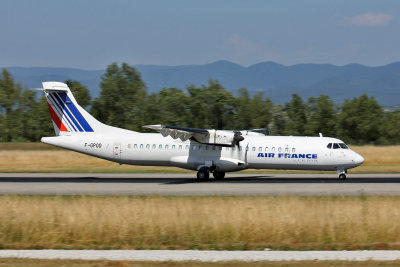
204	174
342	174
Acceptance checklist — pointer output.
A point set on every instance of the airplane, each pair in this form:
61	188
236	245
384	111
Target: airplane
201	150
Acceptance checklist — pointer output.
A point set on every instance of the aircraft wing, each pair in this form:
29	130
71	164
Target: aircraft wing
214	137
176	132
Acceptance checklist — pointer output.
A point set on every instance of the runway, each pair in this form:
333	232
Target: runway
186	184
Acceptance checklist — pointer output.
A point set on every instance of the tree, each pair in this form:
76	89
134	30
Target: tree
360	120
260	111
321	116
210	106
390	131
278	122
296	113
80	91
242	111
9	95
27	114
173	105
122	99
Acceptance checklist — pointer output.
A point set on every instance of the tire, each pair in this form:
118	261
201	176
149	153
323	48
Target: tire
219	175
342	176
203	174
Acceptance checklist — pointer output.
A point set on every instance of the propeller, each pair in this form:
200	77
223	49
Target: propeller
237	137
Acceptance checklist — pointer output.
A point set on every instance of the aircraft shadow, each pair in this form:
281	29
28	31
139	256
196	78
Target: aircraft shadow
257	179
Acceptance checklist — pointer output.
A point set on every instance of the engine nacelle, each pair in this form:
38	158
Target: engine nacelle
216	137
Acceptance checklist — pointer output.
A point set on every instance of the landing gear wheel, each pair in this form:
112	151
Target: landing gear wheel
342	176
218	175
203	174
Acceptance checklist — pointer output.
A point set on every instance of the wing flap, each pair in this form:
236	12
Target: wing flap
174	131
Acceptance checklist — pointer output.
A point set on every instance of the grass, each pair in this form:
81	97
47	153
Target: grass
80	263
220	223
37	157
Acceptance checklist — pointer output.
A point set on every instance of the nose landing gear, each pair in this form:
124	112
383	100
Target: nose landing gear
342	174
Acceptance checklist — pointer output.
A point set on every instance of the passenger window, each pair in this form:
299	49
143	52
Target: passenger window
173	146
187	147
280	149
266	148
180	146
220	148
329	146
240	148
141	146
160	147
154	146
147	146
336	146
260	149
206	147
293	150
199	147
166	146
286	149
233	148
213	147
273	149
135	146
227	149
254	148
194	147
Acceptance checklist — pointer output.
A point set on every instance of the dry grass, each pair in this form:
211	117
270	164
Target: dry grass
65	161
238	223
33	157
80	263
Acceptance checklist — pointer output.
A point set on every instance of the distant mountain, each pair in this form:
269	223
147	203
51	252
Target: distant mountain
277	81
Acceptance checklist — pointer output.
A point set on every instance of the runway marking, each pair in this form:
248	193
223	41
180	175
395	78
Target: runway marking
203	255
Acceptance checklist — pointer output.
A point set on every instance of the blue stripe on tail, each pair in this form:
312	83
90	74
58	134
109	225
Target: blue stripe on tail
65	109
60	109
76	112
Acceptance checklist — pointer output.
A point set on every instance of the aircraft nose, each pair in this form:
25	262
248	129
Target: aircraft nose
358	159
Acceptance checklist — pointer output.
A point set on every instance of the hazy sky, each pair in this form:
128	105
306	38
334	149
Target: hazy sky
93	34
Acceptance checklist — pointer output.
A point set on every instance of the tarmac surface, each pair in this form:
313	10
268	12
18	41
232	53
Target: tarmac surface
203	255
186	184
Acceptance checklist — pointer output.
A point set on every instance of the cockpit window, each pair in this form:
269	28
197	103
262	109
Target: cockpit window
336	146
343	145
329	146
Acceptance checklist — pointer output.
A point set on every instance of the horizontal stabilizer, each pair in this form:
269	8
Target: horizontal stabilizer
55	87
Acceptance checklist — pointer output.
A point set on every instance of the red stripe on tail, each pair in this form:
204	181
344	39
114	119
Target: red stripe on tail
57	120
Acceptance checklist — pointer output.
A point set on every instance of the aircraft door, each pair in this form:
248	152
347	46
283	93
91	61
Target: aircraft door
117	150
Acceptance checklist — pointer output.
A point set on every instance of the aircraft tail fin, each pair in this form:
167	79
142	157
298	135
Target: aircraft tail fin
67	115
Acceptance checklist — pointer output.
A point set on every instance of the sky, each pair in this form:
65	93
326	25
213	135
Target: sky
92	34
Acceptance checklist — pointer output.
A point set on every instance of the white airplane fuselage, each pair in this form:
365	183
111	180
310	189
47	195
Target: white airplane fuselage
216	151
256	152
